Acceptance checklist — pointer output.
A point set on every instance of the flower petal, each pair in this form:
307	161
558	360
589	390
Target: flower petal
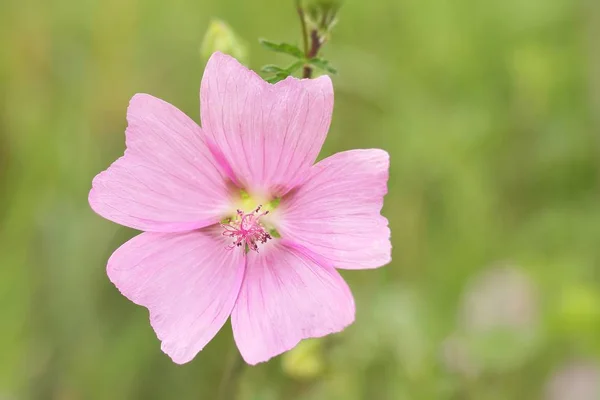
336	213
269	135
188	281
286	297
167	181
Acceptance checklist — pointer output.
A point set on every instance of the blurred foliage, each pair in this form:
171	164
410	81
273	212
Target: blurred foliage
491	114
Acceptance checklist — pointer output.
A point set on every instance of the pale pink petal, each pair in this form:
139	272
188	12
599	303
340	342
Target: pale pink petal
188	281
167	181
269	135
286	297
336	213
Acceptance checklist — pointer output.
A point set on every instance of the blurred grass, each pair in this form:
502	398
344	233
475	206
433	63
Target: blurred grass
491	114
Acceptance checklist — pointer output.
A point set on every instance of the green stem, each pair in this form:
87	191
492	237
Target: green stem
233	369
302	25
310	51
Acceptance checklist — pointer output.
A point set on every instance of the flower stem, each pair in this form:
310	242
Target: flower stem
312	50
302	25
233	369
315	46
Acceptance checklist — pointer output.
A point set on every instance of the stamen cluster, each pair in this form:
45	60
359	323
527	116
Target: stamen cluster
246	229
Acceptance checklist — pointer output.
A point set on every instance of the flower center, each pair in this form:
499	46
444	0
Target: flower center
246	229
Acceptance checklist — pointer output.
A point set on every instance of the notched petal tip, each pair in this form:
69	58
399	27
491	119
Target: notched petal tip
336	213
177	355
154	270
221	65
268	135
167	180
322	84
253	360
287	297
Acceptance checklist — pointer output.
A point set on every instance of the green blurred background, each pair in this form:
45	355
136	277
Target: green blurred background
491	113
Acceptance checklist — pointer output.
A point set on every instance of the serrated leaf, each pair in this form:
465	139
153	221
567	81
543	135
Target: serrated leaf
281	73
282	48
323	64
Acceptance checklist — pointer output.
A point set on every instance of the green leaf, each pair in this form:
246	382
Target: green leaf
276	78
323	64
281	73
294	67
270	68
282	48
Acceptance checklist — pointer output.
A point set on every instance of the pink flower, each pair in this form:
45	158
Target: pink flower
238	221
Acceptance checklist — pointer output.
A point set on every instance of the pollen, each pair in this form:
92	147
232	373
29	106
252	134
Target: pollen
246	230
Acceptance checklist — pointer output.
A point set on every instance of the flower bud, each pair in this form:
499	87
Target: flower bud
305	361
322	14
220	37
